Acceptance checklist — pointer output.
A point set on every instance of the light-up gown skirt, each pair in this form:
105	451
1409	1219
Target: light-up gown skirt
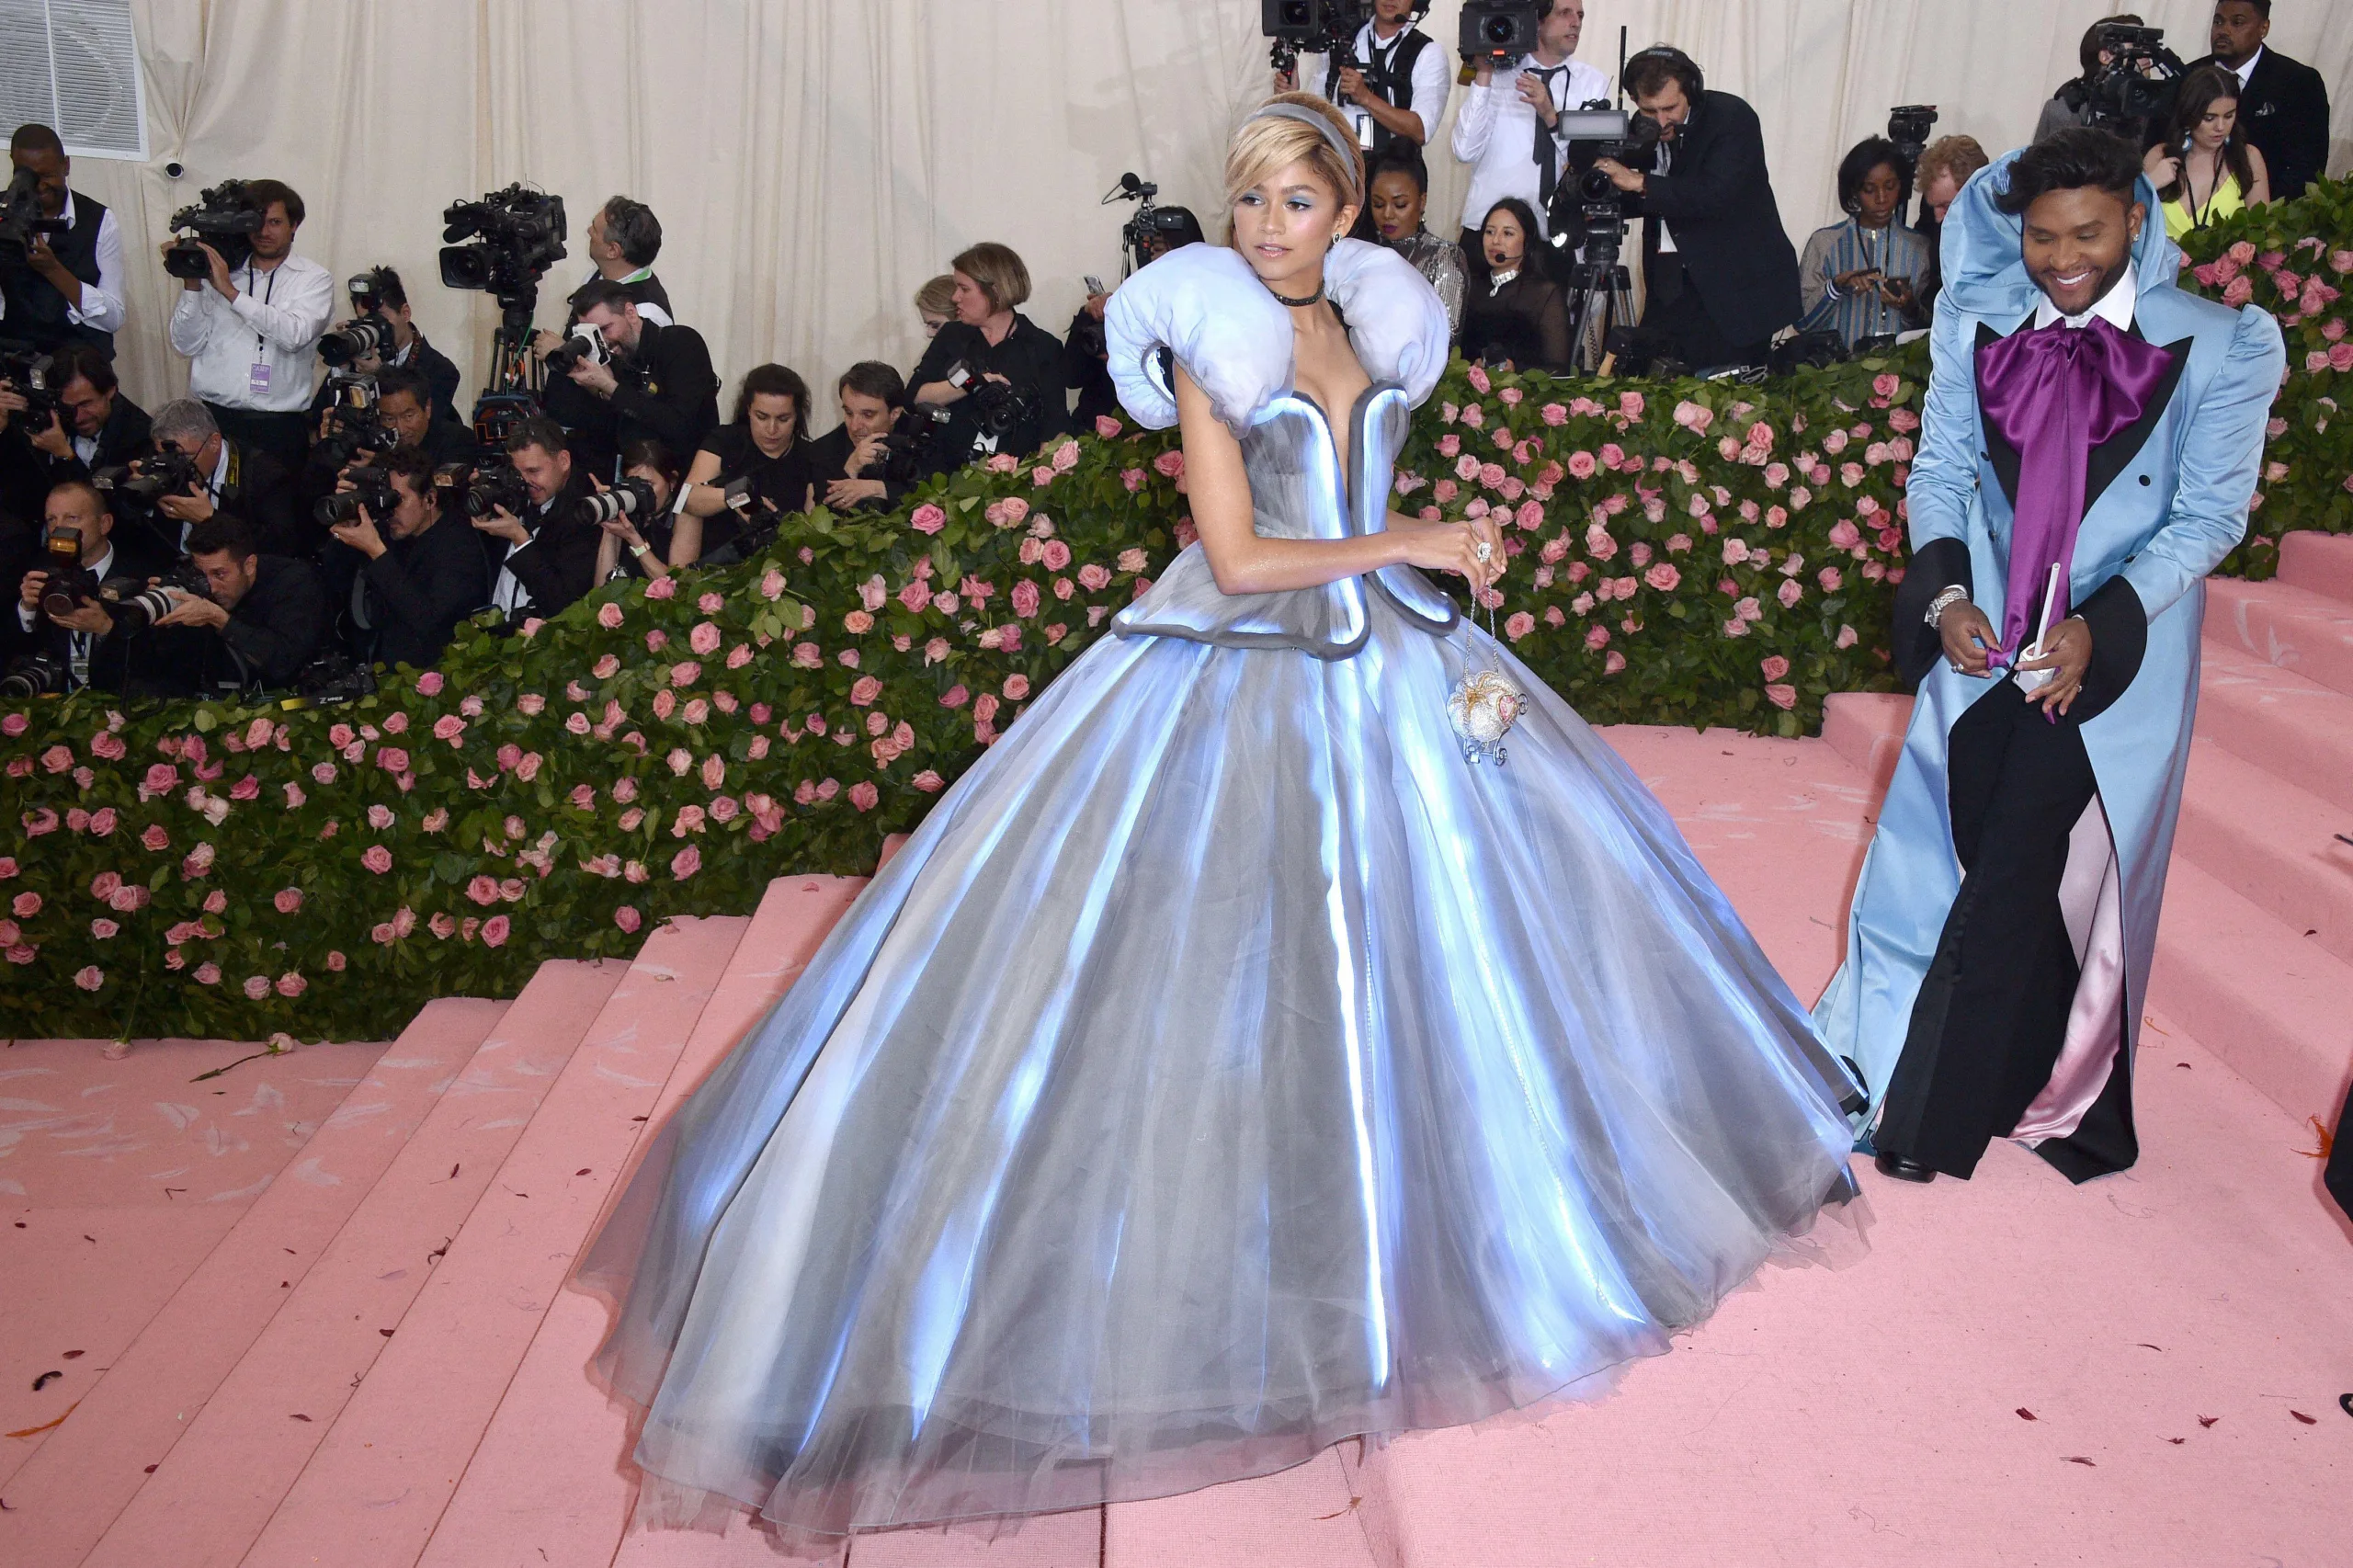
1226	1067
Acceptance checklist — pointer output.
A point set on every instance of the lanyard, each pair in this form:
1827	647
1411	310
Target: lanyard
269	292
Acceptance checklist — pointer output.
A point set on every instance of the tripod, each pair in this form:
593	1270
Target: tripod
511	393
1601	299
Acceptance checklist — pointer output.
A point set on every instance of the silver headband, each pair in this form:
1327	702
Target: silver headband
1350	155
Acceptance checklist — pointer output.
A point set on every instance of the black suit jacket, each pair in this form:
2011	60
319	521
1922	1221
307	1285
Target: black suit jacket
559	566
421	587
279	627
2285	110
263	492
1727	227
112	658
28	473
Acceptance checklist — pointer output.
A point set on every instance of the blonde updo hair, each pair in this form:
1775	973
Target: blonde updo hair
1272	142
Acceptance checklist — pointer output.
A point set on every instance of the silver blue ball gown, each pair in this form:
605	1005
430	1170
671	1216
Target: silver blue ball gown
1227	1066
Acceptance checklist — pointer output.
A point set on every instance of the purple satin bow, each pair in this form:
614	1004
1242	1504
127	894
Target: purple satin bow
2055	392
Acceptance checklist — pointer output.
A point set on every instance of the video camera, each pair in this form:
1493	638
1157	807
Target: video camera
370	330
1313	26
502	244
1497	32
1140	234
226	218
21	218
1908	126
2136	81
26	370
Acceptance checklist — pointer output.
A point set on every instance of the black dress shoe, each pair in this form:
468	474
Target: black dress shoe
1902	1169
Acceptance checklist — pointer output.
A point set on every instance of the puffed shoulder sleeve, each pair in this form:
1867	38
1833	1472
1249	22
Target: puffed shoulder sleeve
1206	308
1396	321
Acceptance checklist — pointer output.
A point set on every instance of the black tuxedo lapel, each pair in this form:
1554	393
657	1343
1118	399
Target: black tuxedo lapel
2113	456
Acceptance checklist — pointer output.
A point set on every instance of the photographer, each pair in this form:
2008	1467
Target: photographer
546	557
2076	101
1869	275
1506	129
233	479
79	648
993	380
268	613
94	425
1391	85
1086	353
853	460
658	383
752	469
249	334
1943	169
407	412
623	239
384	296
2283	103
68	287
1721	273
626	549
421	572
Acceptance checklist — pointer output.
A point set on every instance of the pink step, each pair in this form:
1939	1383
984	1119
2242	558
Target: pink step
2281	624
1305	1517
2270	843
86	1474
549	1472
1867	729
2319	563
2281	722
2273	1004
207	1503
378	1478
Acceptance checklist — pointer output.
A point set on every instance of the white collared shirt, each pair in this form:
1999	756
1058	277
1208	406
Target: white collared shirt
2244	72
2115	307
1426	99
101	307
1495	131
30	619
652	313
274	324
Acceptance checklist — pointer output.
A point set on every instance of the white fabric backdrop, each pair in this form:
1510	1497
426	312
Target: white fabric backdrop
813	161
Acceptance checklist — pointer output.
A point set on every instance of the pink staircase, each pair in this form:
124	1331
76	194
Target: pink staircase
377	1363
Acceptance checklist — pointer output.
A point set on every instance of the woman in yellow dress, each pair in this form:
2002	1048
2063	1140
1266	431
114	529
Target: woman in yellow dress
2205	169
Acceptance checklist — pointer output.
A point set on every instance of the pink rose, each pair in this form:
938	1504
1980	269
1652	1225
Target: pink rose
1169	464
1519	625
1783	696
608	615
129	897
429	683
864	690
1664	577
1694	416
1106	427
686	862
2340	357
864	796
915	595
857	623
628	918
1094	578
257	986
215	901
291	984
1596	637
90	977
661	589
376	858
1017	687
449	727
928	519
1774	667
288	900
482	889
1057	556
494	930
955	696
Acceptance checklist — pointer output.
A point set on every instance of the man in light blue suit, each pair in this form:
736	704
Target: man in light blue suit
2091	442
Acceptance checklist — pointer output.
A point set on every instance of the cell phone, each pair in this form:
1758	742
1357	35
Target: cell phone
1094	284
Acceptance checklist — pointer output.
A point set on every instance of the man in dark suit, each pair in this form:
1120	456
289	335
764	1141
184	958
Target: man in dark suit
94	425
547	556
420	571
233	478
83	642
2284	104
1719	270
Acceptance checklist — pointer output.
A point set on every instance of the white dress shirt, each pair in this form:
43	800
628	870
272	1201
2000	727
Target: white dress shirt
78	643
2244	72
101	307
1426	99
1497	131
258	351
2115	307
652	313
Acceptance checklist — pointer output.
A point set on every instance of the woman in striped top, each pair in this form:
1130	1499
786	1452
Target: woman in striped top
1865	278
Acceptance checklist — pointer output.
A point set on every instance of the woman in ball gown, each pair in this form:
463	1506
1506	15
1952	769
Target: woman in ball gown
1228	1065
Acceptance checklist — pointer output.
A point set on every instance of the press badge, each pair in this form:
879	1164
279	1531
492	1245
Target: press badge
257	378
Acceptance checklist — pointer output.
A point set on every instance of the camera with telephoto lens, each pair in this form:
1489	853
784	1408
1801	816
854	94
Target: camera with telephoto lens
26	370
371	487
2135	80
132	489
359	423
496	487
584	345
1497	32
21	218
997	407
629	497
33	675
502	244
136	609
370	330
226	218
331	678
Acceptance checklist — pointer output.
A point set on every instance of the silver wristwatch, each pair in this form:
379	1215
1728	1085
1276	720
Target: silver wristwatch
1952	595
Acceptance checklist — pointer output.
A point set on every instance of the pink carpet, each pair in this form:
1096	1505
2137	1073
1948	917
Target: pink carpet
317	1319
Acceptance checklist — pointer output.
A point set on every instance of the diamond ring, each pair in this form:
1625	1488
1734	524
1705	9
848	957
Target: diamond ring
1485	550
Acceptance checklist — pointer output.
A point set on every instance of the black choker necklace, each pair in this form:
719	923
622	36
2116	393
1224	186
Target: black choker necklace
1299	304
